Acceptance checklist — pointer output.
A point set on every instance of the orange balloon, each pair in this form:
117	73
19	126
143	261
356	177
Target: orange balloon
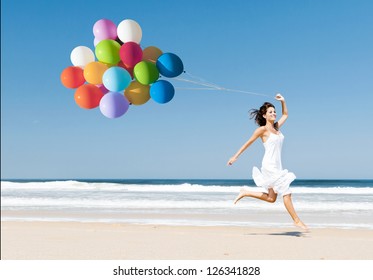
151	54
93	72
88	96
137	94
72	77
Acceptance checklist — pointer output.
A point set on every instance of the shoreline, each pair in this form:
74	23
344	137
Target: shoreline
241	218
32	240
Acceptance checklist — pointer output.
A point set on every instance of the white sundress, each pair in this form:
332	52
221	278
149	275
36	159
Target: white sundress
271	174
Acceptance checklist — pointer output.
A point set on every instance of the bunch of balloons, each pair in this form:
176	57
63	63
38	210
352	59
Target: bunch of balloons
119	72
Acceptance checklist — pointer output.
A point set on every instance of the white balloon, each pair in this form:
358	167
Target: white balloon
129	31
81	56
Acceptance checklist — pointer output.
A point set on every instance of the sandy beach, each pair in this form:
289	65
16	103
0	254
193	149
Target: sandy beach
105	241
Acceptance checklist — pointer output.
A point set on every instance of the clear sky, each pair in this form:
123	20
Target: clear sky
318	54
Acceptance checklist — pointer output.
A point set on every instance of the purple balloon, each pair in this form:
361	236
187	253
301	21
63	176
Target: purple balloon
105	29
113	105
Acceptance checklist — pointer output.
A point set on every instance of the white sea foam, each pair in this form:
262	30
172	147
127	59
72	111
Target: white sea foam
186	187
60	186
161	203
326	205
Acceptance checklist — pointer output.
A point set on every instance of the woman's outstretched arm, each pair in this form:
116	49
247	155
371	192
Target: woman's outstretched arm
257	133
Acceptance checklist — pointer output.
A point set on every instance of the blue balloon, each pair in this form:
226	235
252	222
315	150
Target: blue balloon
113	105
162	91
116	79
169	65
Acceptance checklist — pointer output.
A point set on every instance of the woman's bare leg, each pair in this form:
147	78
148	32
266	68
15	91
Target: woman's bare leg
289	206
270	197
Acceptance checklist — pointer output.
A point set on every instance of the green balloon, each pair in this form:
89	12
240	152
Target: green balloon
146	72
107	51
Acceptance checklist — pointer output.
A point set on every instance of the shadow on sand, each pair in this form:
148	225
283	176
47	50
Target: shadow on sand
286	233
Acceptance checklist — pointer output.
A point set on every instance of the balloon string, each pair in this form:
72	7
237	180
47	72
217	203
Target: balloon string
203	80
197	83
186	88
244	91
212	86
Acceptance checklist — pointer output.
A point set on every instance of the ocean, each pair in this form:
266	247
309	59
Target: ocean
319	203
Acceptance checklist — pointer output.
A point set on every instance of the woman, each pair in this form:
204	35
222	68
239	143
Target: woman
271	176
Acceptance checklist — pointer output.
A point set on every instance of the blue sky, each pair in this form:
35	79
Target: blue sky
318	54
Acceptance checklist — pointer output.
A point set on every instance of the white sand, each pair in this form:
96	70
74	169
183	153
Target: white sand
99	241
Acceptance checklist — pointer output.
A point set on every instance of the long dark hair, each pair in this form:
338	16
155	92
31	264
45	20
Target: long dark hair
257	115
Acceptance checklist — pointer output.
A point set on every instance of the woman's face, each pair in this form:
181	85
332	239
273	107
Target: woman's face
270	114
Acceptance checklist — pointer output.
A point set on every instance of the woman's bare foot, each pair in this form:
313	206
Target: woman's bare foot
300	224
240	195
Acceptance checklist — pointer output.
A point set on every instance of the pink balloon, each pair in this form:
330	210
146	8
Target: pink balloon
105	29
96	41
130	53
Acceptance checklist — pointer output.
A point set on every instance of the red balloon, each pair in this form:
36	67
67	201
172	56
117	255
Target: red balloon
88	96
72	77
129	69
130	53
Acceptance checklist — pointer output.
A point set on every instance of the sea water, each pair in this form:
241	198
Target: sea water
319	203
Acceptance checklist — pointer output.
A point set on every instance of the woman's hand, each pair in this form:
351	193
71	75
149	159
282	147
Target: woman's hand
279	97
231	160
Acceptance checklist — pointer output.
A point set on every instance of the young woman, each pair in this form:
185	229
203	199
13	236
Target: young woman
271	176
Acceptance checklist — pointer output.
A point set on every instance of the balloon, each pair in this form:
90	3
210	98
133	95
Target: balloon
116	79
103	89
81	56
170	65
151	54
96	41
129	69
72	77
108	82
130	53
162	91
88	96
146	72
93	72
105	29
113	105
137	94
107	51
129	31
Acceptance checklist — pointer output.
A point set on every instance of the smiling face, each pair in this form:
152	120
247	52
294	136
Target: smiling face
266	113
270	115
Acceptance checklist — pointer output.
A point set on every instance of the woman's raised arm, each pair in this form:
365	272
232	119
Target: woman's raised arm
285	114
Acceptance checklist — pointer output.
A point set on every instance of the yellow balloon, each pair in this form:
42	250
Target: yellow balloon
137	94
151	54
93	72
